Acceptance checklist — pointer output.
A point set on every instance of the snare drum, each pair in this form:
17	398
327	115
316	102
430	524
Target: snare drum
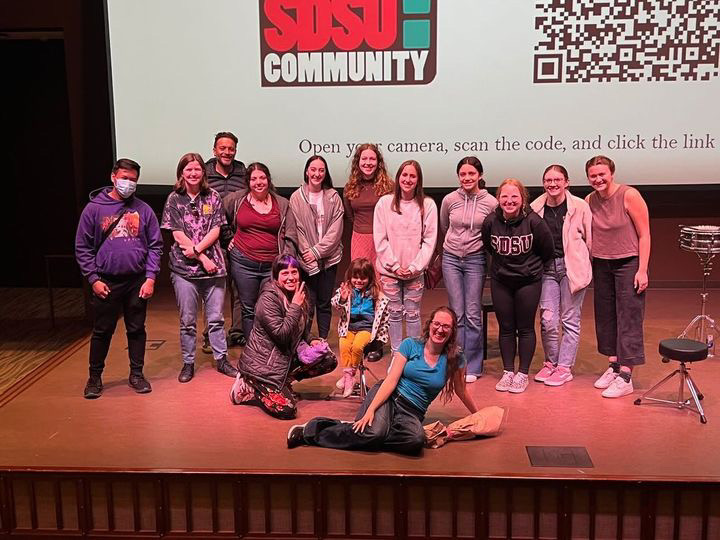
700	238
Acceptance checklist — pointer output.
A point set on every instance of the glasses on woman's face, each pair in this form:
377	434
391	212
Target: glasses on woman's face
438	325
553	181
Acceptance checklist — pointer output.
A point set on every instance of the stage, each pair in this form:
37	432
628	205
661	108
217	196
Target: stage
184	461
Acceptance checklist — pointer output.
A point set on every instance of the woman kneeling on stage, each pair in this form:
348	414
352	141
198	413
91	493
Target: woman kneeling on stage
391	416
270	361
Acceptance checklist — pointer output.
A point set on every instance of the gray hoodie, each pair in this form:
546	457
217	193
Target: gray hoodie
461	219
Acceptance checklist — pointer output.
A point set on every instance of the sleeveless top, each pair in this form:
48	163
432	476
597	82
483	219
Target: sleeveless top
613	233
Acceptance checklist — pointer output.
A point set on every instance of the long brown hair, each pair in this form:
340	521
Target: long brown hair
381	181
450	350
363	268
419	194
180	186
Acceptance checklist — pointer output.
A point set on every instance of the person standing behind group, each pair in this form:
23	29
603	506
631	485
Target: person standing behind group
462	213
260	220
565	276
520	243
620	256
227	175
318	212
118	246
368	182
194	213
405	232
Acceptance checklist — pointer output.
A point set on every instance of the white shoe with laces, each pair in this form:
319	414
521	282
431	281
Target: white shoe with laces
618	388
606	378
505	382
519	383
469	379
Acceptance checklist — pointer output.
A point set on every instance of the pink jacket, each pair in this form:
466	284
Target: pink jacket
577	239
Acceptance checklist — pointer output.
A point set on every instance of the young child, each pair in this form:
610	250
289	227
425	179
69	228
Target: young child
363	317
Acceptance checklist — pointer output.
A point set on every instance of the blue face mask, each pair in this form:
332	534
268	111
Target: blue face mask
125	187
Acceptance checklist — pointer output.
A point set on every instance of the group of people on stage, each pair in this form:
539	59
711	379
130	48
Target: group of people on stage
279	257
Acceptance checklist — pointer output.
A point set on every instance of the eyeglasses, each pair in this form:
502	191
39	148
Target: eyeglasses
437	326
553	181
194	209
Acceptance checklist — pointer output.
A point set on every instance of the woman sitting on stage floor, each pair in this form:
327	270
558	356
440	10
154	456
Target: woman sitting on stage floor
391	416
269	362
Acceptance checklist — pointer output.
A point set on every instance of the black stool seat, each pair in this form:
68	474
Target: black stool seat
683	350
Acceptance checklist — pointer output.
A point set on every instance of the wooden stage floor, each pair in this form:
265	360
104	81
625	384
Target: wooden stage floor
194	427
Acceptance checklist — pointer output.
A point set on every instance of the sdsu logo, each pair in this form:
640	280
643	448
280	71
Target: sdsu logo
347	42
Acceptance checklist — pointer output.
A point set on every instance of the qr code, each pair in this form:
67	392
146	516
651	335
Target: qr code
585	41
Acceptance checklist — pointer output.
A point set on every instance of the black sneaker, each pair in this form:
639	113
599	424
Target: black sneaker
226	368
93	388
295	436
186	373
206	348
139	383
236	338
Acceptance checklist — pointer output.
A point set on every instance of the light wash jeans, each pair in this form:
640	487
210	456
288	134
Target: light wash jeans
559	308
188	293
465	278
404	302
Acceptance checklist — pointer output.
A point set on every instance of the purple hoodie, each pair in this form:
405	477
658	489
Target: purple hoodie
134	246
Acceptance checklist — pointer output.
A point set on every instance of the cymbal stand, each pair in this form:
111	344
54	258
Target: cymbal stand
703	322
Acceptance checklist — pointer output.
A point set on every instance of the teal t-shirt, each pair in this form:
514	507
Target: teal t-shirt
420	384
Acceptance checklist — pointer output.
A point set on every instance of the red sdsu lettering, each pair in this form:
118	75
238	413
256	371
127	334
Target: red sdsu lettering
512	245
314	24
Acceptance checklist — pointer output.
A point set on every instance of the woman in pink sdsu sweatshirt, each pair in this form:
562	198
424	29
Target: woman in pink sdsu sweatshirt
404	231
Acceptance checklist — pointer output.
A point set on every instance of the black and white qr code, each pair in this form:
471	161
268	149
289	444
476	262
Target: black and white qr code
583	41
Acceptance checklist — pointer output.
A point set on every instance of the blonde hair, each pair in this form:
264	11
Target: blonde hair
524	195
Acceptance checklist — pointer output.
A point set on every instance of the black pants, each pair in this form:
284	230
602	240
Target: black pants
619	310
320	288
515	308
124	296
397	427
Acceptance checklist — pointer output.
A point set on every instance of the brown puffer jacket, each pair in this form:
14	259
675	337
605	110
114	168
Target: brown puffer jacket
276	332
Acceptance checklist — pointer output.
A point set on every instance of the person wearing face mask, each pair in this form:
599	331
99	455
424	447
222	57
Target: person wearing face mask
194	214
227	175
462	213
318	212
118	246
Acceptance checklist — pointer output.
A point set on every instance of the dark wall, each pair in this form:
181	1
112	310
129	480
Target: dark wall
56	102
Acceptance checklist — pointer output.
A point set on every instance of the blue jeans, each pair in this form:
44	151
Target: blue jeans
188	293
404	302
559	308
465	278
248	275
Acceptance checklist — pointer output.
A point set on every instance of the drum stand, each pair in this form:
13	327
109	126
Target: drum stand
703	322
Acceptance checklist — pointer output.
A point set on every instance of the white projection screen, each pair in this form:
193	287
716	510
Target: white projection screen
518	83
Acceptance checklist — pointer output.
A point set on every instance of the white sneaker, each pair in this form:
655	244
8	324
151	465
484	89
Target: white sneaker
505	382
606	379
519	383
469	379
618	388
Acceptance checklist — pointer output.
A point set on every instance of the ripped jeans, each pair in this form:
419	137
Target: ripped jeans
404	302
559	309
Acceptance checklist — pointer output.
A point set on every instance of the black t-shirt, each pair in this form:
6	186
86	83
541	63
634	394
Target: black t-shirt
554	216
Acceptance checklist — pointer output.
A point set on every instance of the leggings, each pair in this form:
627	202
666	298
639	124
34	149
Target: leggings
515	308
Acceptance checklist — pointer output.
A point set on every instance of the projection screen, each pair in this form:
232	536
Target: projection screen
520	84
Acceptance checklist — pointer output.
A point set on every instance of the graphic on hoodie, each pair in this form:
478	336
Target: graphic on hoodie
512	245
127	227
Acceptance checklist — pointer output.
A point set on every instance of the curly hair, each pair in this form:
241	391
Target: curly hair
381	180
450	350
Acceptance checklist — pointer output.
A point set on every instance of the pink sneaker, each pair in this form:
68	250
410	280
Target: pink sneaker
545	372
560	376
